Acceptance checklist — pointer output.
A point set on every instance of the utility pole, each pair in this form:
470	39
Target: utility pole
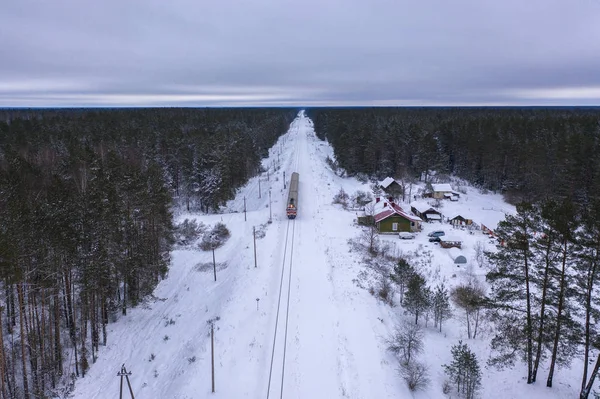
212	354
244	208
212	245
254	235
126	374
284	179
270	211
259	187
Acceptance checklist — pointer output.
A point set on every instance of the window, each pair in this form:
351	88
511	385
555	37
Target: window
394	226
412	224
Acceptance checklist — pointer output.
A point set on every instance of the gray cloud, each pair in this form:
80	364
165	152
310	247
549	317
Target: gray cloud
277	52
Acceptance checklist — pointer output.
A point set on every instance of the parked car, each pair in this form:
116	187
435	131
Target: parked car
437	233
405	235
435	239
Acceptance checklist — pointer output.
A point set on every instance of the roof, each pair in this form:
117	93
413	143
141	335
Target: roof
457	255
423	207
450	238
441	187
386	182
458	216
434	216
393	209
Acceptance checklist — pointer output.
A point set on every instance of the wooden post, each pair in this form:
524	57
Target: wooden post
259	187
284	179
214	263
244	208
254	235
270	212
212	354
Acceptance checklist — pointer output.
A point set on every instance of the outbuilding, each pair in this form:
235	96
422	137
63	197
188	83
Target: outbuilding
457	256
425	211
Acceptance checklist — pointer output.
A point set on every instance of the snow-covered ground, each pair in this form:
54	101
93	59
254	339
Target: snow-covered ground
336	330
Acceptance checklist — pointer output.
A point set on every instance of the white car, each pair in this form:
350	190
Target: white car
405	235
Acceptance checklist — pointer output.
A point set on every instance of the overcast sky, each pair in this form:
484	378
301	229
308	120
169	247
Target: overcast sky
300	53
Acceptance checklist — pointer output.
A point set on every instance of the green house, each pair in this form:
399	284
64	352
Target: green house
393	220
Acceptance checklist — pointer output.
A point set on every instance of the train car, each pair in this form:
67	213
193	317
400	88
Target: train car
292	202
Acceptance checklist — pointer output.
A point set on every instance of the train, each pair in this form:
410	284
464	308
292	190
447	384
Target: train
292	202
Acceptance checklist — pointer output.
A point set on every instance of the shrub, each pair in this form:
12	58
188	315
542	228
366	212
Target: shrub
361	198
385	290
341	198
188	231
362	177
406	342
215	238
332	164
416	376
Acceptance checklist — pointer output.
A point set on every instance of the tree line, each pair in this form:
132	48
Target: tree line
86	231
544	288
526	153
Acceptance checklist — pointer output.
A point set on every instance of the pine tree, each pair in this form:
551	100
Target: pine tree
511	284
401	275
464	371
418	296
441	305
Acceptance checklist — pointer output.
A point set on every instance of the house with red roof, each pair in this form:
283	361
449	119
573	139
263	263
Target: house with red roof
390	218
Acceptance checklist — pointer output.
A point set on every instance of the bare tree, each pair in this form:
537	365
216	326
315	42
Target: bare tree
406	342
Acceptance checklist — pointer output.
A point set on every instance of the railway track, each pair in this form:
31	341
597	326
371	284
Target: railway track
277	367
275	387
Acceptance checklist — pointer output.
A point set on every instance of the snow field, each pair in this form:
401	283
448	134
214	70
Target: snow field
335	346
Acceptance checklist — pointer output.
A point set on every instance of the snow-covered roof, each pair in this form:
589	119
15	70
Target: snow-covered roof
423	207
455	253
386	182
393	209
441	187
458	216
450	238
434	216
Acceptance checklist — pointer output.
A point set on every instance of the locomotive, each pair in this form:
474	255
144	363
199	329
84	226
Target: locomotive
292	202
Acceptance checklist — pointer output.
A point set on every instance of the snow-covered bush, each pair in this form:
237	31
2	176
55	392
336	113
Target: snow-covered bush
361	198
362	177
341	198
215	238
188	231
384	291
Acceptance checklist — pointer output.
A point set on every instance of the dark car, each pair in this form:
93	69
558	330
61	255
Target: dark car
435	239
